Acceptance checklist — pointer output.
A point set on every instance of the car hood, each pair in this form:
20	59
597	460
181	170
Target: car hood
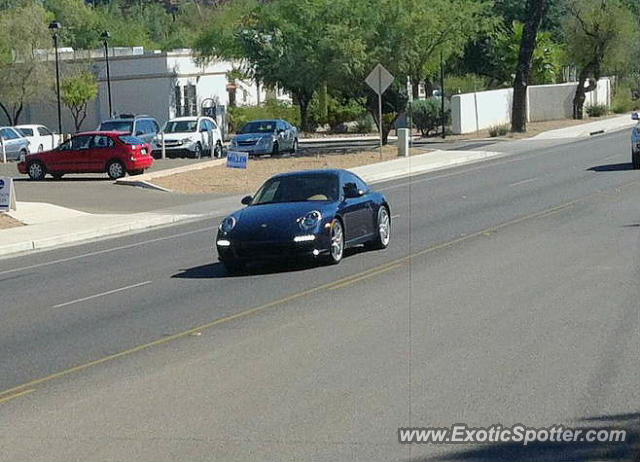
178	136
277	221
252	136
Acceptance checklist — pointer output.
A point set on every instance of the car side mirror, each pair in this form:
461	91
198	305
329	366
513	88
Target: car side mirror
635	116
351	191
246	200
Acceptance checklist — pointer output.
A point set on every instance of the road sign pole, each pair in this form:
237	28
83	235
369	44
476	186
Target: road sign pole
380	123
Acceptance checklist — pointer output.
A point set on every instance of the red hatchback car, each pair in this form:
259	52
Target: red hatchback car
92	152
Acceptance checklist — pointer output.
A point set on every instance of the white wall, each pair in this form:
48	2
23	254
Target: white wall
471	112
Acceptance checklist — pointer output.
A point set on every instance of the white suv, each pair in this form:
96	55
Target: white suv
192	136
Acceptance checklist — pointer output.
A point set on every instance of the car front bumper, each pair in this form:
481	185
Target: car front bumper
271	250
253	150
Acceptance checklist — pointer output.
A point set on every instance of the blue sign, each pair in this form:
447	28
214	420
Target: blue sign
237	159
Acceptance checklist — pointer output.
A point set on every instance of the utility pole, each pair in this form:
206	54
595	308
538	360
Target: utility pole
442	115
105	36
55	27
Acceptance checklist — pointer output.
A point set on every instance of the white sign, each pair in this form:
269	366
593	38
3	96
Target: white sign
379	79
7	194
236	159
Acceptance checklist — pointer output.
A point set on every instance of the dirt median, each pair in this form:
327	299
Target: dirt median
7	222
221	179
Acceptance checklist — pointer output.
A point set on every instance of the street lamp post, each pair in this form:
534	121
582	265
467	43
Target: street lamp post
54	27
105	36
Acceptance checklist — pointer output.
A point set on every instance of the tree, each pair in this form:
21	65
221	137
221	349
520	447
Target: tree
76	92
536	10
598	34
24	76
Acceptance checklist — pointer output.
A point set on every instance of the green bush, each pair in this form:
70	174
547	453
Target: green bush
427	115
338	111
365	123
467	83
623	100
498	130
596	110
240	115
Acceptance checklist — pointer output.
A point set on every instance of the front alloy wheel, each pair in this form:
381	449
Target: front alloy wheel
336	249
36	170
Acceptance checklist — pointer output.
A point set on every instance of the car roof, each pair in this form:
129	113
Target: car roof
177	119
28	126
102	132
128	118
320	171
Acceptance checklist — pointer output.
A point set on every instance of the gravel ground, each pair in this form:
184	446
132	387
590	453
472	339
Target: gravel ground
7	222
228	180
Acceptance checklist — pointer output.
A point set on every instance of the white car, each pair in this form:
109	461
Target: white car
192	136
40	137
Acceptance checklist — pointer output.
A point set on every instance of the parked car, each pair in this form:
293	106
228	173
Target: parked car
635	142
39	136
141	126
261	137
13	143
306	214
192	136
92	152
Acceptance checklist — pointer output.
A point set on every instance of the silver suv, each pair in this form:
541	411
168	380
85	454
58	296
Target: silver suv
142	126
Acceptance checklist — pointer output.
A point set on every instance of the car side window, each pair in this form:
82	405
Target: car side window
81	142
213	125
44	131
101	141
204	125
26	131
9	134
139	128
362	186
349	179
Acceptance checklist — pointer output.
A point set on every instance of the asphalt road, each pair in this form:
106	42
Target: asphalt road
509	295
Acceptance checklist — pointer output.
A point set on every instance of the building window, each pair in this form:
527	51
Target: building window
186	100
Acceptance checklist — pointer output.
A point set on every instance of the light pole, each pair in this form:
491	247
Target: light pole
54	27
444	119
105	36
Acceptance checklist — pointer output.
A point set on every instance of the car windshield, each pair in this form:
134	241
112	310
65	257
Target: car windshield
117	126
268	126
26	131
298	188
181	126
133	140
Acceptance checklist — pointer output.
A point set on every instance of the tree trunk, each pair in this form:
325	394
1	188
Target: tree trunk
581	91
536	10
303	103
6	113
415	88
16	115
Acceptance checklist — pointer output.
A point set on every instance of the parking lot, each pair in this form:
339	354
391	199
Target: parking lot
96	193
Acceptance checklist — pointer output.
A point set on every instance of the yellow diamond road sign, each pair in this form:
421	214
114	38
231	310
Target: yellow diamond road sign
379	79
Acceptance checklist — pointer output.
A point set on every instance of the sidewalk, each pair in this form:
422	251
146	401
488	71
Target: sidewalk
589	129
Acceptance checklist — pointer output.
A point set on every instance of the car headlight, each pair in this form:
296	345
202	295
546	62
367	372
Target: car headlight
228	224
310	220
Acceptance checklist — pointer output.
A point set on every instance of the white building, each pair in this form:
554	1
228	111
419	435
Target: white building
160	84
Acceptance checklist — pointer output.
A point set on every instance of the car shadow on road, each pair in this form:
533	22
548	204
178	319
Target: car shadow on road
629	450
64	180
218	271
612	167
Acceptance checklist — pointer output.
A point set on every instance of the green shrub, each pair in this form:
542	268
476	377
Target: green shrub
623	100
365	123
240	115
499	130
467	83
596	110
427	115
338	110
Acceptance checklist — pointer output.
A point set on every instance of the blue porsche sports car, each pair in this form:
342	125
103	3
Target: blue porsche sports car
306	214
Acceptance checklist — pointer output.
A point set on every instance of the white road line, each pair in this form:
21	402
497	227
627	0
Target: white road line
133	286
99	252
528	180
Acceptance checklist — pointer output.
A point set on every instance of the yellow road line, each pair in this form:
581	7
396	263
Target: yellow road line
341	284
17	395
381	268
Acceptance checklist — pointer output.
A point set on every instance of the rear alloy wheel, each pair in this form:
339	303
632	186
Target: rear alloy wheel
197	153
383	235
115	170
635	159
336	249
37	170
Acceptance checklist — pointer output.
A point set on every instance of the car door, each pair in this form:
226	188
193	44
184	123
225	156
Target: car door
356	209
100	152
47	138
76	158
12	143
